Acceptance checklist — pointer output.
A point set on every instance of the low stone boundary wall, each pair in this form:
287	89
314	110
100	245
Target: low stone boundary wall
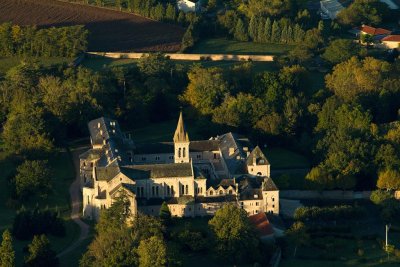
332	194
193	57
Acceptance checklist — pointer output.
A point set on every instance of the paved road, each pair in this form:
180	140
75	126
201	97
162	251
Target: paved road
76	203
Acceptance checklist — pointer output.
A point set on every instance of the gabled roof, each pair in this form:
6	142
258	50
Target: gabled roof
108	172
269	185
262	224
374	31
128	187
257	156
391	38
180	132
137	172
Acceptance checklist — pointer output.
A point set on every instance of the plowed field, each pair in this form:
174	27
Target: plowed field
109	30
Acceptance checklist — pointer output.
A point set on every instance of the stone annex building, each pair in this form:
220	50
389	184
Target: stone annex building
195	178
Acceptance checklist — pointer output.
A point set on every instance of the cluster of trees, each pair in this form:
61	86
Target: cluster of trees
28	223
271	103
343	212
370	12
52	42
40	252
263	30
161	10
146	241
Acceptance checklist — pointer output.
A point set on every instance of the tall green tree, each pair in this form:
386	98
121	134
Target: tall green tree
236	238
276	32
253	28
152	252
240	32
33	177
341	50
298	235
7	254
40	253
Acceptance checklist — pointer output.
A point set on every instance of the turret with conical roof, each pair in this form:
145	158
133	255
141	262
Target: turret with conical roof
181	142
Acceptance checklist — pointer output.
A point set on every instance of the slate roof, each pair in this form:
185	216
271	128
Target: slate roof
108	172
170	170
168	147
224	198
269	185
129	187
234	162
250	194
258	156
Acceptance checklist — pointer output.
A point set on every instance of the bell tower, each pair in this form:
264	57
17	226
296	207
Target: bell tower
181	142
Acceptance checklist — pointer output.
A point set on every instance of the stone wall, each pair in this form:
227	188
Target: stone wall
192	57
332	194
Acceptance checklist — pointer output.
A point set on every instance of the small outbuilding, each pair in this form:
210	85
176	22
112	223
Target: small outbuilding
391	41
330	8
189	5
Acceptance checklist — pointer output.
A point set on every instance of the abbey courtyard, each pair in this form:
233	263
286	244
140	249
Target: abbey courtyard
194	177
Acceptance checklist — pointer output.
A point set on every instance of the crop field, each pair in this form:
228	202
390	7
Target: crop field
109	30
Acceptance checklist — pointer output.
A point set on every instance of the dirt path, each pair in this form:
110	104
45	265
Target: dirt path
76	202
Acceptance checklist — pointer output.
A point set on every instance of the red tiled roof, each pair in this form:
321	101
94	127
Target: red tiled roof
374	31
391	38
262	224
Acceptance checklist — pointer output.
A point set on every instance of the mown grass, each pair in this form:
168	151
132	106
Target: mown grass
225	46
7	63
63	175
281	158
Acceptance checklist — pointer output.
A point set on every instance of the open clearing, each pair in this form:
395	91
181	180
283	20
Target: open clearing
225	46
109	30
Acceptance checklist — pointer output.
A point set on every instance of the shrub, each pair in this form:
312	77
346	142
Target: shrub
329	213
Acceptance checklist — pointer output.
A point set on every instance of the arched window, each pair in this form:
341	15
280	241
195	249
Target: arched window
179	153
230	192
221	192
184	152
211	193
259	173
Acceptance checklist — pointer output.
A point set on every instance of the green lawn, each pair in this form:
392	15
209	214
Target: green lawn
225	46
63	175
8	62
339	252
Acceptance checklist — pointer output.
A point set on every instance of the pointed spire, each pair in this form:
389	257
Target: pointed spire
180	132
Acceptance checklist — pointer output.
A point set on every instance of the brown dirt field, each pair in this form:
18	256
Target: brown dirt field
109	30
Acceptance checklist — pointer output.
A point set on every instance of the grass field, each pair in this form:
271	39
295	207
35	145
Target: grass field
225	46
281	158
7	63
63	174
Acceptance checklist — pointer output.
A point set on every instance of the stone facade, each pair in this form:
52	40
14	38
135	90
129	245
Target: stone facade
195	178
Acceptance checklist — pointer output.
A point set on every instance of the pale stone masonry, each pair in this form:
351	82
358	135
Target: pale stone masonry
195	178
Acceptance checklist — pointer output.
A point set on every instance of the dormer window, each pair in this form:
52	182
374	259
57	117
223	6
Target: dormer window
255	196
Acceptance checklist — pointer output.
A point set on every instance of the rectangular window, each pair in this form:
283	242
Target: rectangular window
157	193
157	158
172	190
182	189
187	190
273	199
153	191
257	203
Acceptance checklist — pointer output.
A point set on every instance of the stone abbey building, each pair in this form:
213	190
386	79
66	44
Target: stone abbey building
195	178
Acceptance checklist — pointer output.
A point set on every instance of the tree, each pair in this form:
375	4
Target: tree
206	89
364	11
274	8
389	180
155	64
40	253
341	50
319	178
387	157
170	12
253	28
244	110
112	231
165	213
236	238
7	254
152	252
267	31
358	77
240	32
276	32
33	177
188	38
298	235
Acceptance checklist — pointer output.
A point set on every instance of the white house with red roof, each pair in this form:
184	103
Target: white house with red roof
391	41
365	29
